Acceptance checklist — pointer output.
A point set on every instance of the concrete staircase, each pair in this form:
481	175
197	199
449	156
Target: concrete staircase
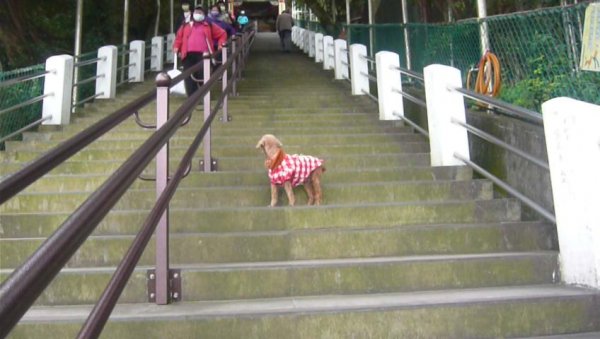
398	250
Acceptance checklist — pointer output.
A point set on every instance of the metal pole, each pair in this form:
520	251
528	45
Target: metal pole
348	21
483	32
224	86
207	141
162	174
371	35
77	51
157	17
125	35
333	11
171	17
406	36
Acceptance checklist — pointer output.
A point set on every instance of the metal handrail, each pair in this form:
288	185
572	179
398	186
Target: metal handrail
374	98
26	103
90	98
505	108
99	315
364	57
90	79
408	72
125	66
88	62
24	78
26	128
509	189
490	138
412	124
410	97
371	77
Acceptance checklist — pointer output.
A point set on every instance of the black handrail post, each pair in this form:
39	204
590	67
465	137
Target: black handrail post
163	82
224	86
234	43
207	138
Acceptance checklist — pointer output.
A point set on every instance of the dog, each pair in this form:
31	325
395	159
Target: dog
290	171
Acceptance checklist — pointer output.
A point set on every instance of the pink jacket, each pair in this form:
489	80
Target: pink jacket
211	31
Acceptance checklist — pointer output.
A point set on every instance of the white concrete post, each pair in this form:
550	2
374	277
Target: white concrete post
295	35
158	54
306	42
137	56
58	85
359	69
341	62
443	104
388	85
328	53
169	52
106	70
319	47
573	144
311	44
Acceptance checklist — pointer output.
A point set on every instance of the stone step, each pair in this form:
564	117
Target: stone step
517	311
408	240
120	151
274	279
333	162
372	139
247	196
88	183
248	219
233	128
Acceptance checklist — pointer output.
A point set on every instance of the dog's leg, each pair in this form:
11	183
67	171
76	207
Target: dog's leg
316	184
273	195
310	192
290	192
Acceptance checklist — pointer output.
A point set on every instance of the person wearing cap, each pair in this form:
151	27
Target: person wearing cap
193	40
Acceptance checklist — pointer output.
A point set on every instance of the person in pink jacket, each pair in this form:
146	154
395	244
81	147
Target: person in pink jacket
193	40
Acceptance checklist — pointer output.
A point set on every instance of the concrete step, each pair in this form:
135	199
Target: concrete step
519	311
87	183
248	196
408	240
247	219
248	140
120	151
332	162
234	281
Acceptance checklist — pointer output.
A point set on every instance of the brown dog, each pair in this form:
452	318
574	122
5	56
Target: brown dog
290	171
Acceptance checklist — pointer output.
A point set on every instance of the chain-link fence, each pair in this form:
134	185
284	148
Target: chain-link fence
17	93
538	50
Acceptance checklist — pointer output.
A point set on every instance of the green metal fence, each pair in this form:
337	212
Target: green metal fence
18	93
538	51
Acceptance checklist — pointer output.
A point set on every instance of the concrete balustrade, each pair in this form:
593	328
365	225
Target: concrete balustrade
58	88
106	70
311	44
319	52
573	146
158	54
388	85
328	53
359	69
169	48
137	55
341	60
443	105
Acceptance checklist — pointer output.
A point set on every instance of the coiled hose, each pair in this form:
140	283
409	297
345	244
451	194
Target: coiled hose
489	80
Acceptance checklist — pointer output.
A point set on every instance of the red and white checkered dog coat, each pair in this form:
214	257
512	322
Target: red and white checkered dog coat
294	168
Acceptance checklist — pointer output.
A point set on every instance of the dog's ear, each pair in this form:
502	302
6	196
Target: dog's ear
261	143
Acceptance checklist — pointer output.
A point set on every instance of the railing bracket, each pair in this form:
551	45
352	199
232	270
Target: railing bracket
174	285
229	118
213	165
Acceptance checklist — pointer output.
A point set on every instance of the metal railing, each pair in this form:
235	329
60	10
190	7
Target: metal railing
31	101
502	108
27	282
